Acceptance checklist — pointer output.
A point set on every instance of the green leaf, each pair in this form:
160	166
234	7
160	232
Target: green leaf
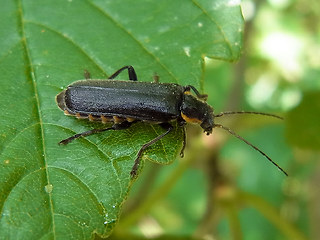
72	192
302	128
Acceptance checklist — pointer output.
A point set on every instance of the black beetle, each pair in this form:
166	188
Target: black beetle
127	102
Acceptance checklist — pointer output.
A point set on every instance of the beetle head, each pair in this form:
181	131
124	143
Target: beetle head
194	110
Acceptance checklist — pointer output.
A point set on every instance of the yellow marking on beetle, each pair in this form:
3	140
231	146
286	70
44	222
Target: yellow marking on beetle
190	120
103	119
91	118
187	92
129	119
79	116
117	119
66	112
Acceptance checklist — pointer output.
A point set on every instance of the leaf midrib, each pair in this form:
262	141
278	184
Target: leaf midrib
30	76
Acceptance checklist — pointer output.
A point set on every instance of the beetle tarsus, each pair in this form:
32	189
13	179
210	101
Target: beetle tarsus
134	170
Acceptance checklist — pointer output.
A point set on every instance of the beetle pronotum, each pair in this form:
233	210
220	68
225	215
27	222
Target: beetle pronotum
127	102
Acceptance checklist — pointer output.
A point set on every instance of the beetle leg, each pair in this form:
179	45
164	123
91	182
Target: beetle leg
86	74
184	141
132	74
156	78
83	134
182	124
200	96
135	167
118	126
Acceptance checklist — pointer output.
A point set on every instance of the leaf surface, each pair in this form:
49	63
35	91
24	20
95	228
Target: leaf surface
72	192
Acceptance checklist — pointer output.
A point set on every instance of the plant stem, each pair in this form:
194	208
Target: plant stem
273	215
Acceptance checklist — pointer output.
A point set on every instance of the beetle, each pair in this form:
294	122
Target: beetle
125	102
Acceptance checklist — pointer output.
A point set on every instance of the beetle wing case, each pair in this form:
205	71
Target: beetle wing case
145	101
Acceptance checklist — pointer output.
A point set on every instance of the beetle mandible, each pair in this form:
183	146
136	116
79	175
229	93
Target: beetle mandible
127	102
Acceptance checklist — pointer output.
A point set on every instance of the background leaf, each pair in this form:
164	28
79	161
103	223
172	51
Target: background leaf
71	192
303	122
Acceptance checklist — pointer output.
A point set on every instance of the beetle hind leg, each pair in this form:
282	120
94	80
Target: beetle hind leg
117	126
83	134
135	167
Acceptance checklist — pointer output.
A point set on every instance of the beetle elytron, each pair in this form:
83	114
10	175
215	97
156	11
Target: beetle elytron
127	102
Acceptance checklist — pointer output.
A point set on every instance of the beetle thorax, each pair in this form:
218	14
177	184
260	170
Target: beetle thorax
194	110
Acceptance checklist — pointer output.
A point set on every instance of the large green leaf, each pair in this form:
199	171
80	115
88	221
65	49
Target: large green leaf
71	192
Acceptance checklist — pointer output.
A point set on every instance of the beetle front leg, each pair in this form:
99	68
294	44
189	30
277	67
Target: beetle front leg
135	167
200	96
184	141
118	126
131	72
182	123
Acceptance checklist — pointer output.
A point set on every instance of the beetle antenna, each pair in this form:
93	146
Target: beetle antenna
254	147
248	112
